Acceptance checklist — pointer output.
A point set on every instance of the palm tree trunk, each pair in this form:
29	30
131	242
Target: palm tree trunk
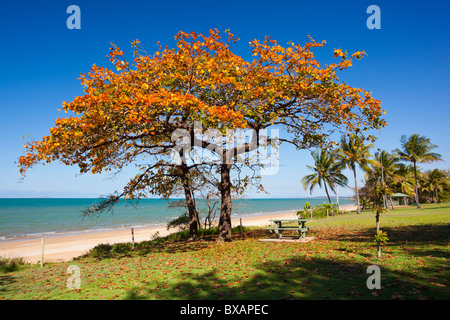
416	190
377	219
326	190
392	202
437	195
358	209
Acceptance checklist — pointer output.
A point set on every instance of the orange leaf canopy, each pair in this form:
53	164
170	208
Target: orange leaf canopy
129	112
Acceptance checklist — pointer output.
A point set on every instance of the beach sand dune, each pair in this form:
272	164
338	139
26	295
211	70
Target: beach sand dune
67	247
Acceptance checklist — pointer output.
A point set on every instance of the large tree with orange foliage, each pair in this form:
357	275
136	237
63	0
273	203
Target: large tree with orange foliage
129	114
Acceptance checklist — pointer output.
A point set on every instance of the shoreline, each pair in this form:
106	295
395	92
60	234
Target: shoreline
65	247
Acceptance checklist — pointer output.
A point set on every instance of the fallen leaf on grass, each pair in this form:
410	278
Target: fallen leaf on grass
438	284
396	296
414	291
424	298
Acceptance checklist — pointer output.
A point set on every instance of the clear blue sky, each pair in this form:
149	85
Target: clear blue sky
407	67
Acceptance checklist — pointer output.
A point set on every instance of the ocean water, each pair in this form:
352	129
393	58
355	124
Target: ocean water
36	217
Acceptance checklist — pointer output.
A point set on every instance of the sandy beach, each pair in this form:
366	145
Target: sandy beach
66	247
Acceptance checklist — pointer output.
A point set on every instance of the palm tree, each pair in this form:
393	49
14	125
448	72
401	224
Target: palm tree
437	180
404	180
381	172
417	149
354	152
327	171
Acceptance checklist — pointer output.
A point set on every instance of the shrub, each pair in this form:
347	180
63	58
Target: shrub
181	222
306	210
319	211
100	251
105	250
121	248
10	265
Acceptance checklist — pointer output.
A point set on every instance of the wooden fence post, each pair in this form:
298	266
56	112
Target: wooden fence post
132	238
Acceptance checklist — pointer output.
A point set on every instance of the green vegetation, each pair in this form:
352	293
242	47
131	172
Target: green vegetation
119	250
385	174
353	151
326	171
414	264
417	149
9	265
320	211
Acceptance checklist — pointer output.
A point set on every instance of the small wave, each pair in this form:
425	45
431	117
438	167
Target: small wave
30	236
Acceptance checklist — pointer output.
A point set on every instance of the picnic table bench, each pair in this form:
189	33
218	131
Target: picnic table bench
280	226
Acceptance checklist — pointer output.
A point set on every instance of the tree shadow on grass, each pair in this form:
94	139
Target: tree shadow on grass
413	234
309	277
292	279
5	281
424	240
422	233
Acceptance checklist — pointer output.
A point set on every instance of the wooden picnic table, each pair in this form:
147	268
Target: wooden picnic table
292	225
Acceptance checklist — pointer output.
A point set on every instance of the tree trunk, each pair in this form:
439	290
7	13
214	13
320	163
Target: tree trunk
358	209
377	219
326	190
392	202
208	216
225	208
416	190
193	216
437	195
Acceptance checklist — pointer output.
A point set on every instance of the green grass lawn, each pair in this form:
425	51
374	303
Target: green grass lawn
413	265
